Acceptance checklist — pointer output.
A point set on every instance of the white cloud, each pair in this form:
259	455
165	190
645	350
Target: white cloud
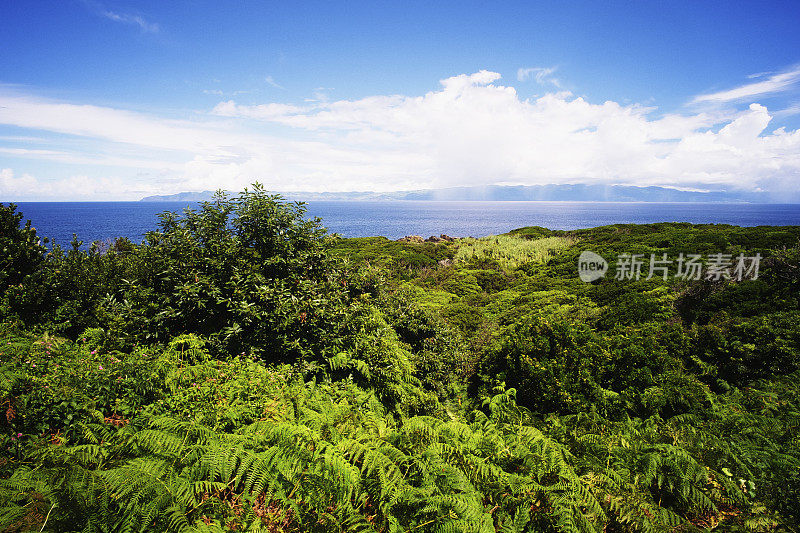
261	111
774	84
26	187
75	187
542	75
129	19
473	130
793	109
271	81
319	95
221	93
93	159
13	187
135	20
106	123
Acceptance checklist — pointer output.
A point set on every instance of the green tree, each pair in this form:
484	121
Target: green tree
21	251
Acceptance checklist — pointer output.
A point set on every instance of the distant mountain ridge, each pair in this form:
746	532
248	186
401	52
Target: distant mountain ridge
552	193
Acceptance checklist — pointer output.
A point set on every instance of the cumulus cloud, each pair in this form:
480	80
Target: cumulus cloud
472	130
773	84
22	187
475	131
12	186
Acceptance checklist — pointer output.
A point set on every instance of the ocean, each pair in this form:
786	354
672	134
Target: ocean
102	221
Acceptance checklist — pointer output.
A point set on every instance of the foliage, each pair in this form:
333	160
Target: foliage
241	370
511	251
20	249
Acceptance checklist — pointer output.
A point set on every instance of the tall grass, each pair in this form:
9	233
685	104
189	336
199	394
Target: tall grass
511	252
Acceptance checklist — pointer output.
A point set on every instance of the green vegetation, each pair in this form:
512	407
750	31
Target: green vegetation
511	251
242	370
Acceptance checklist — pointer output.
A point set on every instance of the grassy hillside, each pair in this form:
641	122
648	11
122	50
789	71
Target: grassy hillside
241	370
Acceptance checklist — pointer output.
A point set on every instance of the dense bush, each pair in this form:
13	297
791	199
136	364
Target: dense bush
241	370
21	252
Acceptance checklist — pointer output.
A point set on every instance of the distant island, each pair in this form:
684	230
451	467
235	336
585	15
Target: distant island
551	193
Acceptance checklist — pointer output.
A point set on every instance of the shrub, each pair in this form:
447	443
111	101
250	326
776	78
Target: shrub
511	251
21	251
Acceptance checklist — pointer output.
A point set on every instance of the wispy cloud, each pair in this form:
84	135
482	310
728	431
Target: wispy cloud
792	110
261	111
319	94
219	92
542	75
775	83
92	160
135	20
271	81
129	19
115	125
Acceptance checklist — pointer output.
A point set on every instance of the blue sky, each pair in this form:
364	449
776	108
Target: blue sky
115	100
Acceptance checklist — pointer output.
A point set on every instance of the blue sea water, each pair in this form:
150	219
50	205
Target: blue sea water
93	221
